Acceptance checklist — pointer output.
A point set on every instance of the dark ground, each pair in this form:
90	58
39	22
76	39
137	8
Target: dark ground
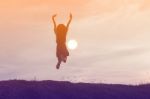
19	89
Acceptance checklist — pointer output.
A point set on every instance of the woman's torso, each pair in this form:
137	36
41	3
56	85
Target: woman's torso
61	36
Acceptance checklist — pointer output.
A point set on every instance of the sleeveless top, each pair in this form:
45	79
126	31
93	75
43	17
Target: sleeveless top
61	37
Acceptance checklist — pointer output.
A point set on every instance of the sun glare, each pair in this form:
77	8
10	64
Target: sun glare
72	44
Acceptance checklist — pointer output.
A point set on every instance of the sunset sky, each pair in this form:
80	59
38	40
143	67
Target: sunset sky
113	40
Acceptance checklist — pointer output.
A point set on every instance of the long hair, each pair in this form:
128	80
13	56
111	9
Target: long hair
61	28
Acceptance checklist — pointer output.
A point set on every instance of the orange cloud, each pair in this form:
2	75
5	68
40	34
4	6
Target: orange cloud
145	5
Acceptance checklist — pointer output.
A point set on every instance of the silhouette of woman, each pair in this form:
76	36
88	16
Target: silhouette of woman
61	33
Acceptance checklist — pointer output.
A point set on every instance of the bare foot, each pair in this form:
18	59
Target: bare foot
64	60
58	66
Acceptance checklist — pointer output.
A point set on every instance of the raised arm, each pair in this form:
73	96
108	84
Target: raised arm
69	20
53	18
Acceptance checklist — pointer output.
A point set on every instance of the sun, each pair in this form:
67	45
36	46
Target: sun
72	44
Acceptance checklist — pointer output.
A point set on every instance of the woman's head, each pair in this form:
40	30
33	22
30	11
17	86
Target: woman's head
61	28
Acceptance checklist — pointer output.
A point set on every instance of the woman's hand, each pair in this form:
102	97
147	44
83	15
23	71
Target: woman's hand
69	20
54	16
70	16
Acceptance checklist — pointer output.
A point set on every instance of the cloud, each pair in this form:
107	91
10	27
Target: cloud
37	10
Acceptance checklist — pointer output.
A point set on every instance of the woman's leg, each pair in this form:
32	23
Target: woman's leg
65	59
58	63
65	54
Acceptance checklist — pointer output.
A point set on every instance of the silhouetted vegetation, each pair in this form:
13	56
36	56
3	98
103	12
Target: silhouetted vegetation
65	90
